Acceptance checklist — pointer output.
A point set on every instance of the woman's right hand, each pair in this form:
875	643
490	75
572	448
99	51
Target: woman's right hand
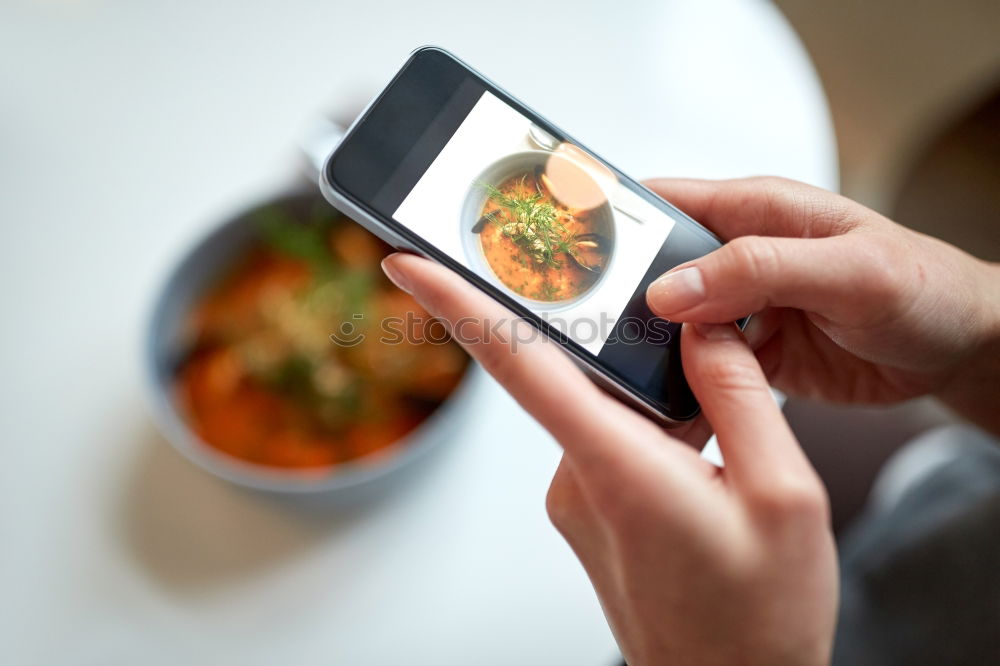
850	307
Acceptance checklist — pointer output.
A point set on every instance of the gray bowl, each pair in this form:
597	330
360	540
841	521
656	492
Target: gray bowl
168	339
507	167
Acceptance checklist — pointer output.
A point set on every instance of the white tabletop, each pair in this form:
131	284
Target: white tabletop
126	128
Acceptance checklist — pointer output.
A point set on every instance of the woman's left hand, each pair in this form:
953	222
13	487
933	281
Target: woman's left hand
692	564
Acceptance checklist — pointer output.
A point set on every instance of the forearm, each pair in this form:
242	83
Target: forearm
974	391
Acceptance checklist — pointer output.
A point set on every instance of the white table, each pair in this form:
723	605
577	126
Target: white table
128	127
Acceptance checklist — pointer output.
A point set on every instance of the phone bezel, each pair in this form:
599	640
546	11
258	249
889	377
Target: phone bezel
401	237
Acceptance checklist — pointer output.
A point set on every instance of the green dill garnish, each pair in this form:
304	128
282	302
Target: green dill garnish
336	293
531	222
308	240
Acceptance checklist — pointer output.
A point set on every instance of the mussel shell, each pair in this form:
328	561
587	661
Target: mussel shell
591	252
478	227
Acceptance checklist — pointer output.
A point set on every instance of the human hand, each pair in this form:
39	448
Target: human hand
692	564
850	307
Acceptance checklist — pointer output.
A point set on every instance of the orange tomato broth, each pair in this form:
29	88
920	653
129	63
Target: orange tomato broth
233	410
515	267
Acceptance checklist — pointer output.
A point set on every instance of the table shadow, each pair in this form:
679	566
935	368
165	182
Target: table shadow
192	532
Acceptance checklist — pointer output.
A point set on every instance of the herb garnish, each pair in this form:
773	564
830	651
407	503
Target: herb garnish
531	222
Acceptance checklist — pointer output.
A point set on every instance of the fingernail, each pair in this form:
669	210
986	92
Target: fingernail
677	291
718	332
397	277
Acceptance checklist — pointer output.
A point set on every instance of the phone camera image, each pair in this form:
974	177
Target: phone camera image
539	218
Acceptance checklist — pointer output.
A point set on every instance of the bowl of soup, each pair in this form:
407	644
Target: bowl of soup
540	227
280	357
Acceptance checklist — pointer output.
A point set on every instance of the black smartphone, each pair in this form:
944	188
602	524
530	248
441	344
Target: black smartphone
447	164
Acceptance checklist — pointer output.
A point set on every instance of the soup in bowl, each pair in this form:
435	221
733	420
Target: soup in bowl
540	226
280	357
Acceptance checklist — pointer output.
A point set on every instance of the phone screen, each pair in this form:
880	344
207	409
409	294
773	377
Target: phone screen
543	222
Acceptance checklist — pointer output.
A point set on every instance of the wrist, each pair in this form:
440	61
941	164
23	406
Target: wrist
973	391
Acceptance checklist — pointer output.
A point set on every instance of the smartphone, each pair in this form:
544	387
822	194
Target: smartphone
446	164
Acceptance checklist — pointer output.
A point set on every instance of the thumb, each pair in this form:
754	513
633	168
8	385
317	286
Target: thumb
847	279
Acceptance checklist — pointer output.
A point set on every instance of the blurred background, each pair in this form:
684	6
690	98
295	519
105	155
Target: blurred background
129	130
914	92
912	88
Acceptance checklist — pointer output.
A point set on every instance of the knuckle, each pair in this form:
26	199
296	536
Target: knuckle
885	265
775	186
557	507
495	359
791	499
774	189
886	278
828	215
752	257
562	496
813	212
565	506
733	375
780	195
